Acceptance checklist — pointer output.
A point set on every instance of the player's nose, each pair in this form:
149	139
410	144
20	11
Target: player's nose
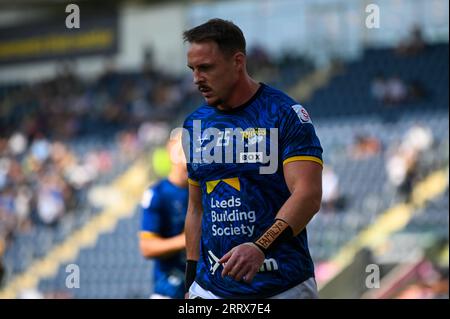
198	78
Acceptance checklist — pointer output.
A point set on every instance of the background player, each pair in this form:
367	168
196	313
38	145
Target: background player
163	212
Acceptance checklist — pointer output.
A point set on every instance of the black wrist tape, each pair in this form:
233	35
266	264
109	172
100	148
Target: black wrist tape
279	232
191	271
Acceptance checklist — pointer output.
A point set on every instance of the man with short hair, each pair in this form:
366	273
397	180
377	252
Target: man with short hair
245	229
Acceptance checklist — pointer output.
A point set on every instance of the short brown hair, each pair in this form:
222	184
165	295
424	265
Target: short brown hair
226	34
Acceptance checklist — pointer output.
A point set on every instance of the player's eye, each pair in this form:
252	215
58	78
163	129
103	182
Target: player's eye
204	68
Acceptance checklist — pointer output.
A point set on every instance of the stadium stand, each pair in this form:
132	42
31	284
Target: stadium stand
350	93
364	186
96	138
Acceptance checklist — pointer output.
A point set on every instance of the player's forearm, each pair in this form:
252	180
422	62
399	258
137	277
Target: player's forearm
162	247
193	232
300	208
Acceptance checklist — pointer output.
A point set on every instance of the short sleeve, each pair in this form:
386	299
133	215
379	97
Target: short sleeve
150	213
298	139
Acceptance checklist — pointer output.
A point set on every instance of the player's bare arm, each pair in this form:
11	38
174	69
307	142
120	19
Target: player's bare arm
193	232
193	223
154	246
304	180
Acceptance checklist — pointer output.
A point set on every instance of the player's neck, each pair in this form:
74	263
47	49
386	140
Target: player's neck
242	92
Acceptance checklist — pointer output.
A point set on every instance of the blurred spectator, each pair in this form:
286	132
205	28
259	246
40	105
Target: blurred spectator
396	91
419	138
40	148
128	145
17	144
402	163
22	204
153	133
378	88
414	44
401	169
8	218
365	146
331	199
393	90
4	169
50	199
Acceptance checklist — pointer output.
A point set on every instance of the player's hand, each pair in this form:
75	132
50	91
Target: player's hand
242	262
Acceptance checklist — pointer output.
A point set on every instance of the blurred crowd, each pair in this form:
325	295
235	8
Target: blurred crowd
403	158
413	44
41	180
48	159
393	90
404	163
68	107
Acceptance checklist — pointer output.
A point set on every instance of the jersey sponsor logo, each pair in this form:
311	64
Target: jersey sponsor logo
231	202
232	216
251	157
269	264
227	219
230	230
302	113
254	140
252	136
233	182
252	132
214	261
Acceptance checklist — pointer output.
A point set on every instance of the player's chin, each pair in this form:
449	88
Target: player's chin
212	100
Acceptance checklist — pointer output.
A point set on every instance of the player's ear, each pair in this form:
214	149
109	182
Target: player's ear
239	60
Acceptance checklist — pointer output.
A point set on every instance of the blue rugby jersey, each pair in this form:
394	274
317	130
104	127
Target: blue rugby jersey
163	211
239	202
